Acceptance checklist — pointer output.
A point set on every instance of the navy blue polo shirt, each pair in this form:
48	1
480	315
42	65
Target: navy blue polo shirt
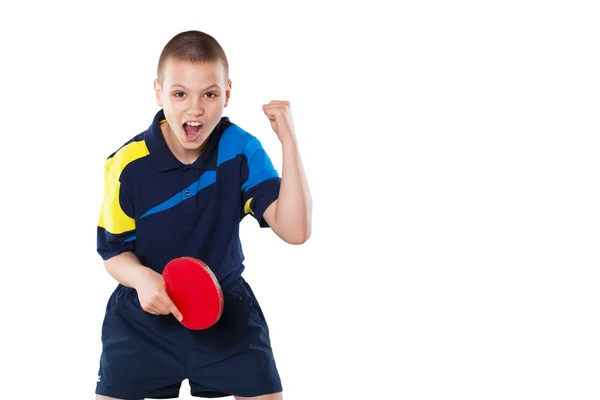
160	209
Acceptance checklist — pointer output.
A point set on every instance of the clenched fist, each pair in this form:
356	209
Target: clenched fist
280	116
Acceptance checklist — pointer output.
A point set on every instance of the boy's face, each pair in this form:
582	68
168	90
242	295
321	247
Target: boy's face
193	96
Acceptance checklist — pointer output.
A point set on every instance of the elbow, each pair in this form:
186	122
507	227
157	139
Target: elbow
299	238
297	241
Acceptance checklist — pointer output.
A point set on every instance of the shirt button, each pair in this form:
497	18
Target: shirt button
187	192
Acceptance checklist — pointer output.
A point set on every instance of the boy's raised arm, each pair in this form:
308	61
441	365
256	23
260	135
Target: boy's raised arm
290	216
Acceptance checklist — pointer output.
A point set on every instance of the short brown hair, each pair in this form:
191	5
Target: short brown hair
192	46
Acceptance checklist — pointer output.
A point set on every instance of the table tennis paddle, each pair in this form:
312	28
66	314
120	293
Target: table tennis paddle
195	290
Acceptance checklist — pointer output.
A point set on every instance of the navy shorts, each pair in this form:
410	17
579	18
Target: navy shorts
148	356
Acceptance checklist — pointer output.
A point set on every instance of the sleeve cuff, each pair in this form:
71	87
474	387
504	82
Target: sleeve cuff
268	193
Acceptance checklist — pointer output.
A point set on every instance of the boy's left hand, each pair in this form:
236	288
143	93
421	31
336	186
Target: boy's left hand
280	116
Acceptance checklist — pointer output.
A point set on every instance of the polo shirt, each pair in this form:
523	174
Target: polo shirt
160	209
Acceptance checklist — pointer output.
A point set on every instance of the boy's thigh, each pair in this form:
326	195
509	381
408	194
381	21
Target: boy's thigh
234	356
273	396
140	356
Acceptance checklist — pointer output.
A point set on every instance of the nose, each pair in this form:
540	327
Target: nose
196	108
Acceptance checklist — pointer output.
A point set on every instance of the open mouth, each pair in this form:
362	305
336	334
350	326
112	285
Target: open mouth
192	130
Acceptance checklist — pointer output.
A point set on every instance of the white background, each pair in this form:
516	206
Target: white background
452	153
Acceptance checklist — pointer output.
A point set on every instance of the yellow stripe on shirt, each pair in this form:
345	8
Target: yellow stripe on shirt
112	217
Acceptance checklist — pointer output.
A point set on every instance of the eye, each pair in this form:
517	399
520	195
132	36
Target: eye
179	94
211	95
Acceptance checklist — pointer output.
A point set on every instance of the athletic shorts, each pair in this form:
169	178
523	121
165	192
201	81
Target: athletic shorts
148	356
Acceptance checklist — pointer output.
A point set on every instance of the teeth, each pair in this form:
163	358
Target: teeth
191	123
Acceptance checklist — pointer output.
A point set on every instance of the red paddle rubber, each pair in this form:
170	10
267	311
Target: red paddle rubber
195	291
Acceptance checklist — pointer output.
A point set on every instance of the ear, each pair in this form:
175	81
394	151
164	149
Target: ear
227	93
157	93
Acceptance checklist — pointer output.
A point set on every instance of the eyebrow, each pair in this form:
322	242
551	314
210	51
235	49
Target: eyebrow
214	85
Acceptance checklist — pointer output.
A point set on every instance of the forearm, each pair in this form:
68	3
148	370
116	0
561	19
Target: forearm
126	268
293	214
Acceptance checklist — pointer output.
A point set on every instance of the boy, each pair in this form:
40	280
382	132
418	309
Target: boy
179	189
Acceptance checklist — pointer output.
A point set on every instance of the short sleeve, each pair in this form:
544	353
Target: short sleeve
260	181
116	226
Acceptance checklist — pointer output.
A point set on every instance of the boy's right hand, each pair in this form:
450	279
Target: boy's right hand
152	292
